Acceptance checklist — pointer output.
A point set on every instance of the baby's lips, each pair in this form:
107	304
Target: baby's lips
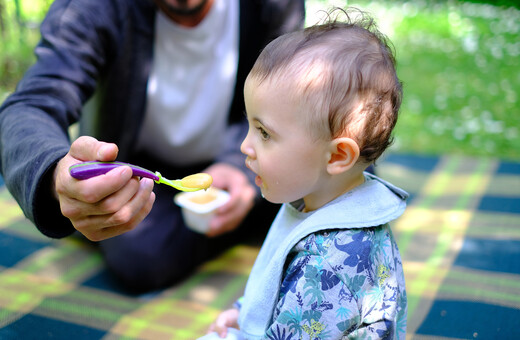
259	182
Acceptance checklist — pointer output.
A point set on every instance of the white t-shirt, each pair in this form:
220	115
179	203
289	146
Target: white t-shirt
191	86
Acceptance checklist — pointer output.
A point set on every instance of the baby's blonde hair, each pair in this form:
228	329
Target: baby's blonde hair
344	72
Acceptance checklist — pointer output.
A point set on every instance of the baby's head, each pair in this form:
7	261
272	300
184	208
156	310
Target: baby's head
343	75
321	105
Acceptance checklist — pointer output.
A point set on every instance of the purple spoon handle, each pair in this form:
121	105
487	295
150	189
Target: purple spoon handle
88	170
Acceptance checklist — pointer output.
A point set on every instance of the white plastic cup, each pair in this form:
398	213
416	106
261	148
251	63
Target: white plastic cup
198	207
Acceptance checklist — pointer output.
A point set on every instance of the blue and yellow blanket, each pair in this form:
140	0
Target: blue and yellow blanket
459	239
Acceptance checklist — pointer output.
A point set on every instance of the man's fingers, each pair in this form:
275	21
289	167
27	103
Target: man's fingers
95	189
88	148
101	227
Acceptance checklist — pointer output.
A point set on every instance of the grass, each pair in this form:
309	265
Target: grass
459	63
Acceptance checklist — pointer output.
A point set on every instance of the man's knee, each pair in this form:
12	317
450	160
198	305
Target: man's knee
143	268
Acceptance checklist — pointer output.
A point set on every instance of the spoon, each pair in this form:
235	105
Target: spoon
91	169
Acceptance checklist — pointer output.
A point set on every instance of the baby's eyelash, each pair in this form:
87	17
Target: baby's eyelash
263	133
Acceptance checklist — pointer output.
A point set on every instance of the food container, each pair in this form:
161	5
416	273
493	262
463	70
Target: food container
198	207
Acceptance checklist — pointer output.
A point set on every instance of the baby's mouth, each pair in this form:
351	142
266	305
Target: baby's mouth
258	180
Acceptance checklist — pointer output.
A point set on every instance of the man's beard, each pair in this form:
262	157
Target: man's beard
182	11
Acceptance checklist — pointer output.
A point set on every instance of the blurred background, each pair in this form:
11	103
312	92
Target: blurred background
459	62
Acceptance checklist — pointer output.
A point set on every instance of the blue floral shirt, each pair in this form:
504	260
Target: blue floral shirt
342	282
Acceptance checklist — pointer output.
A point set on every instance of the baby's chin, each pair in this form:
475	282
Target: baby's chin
266	196
272	199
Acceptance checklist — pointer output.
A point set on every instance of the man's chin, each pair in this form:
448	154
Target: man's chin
184	11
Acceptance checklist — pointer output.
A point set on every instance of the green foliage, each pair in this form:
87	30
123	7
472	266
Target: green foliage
18	35
461	90
501	3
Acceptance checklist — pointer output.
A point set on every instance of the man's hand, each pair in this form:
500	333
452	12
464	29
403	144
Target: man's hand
104	206
230	215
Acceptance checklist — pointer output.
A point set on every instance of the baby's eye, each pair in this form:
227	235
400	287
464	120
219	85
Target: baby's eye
263	133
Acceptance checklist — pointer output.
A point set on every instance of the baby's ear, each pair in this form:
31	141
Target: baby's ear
344	153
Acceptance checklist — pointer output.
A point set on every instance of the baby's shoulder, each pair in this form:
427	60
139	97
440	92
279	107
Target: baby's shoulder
324	242
345	247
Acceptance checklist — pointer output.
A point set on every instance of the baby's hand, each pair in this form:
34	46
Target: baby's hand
228	318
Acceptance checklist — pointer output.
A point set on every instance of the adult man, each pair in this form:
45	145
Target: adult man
163	81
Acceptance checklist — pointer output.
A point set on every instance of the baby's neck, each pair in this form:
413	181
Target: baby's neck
337	187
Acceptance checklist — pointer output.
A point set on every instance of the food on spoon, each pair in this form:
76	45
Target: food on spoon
200	180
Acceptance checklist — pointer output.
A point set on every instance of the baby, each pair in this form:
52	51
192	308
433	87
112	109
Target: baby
321	105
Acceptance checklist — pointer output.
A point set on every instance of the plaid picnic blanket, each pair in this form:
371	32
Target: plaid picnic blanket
459	239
